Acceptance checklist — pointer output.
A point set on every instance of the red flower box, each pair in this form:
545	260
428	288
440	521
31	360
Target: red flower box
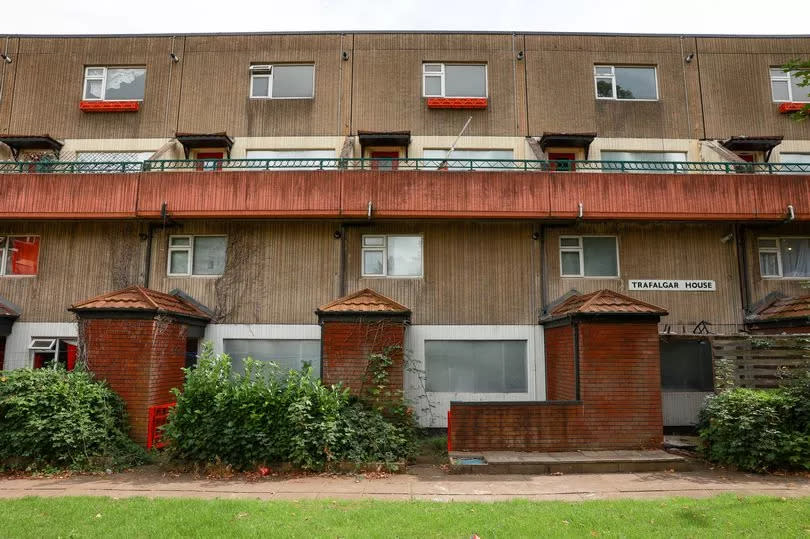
457	102
787	108
109	106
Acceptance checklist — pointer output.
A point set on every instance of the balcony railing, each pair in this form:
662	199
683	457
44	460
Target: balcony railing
505	165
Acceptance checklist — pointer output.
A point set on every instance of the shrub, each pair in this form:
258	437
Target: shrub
758	429
54	418
263	417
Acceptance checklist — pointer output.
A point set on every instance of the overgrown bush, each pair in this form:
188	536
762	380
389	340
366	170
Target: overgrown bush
51	418
264	416
759	430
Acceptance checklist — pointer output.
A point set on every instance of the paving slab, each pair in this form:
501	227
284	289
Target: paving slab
423	483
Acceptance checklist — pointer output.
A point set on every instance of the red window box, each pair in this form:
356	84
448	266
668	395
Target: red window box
457	102
787	108
109	106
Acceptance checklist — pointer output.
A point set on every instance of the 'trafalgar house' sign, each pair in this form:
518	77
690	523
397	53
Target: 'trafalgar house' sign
668	285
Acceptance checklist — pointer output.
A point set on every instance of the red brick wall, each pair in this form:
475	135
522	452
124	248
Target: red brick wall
796	330
620	405
347	345
139	359
560	369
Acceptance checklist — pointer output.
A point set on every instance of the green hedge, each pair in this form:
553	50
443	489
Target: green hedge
758	430
53	418
262	417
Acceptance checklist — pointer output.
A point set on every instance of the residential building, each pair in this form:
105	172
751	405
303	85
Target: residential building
266	175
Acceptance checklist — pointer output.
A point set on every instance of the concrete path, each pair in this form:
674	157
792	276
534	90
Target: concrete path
422	483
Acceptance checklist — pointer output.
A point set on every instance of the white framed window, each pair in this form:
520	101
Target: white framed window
50	352
282	81
197	255
658	162
454	80
470	159
293	159
19	255
625	83
784	257
114	83
589	256
392	255
288	354
785	87
476	366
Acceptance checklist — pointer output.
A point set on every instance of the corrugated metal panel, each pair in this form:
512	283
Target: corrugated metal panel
681	408
234	194
759	287
216	85
473	273
8	73
661	251
50	75
276	273
61	196
411	194
562	99
731	108
77	260
387	87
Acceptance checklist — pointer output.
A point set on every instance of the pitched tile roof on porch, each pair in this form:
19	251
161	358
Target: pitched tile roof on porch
138	298
364	301
606	302
782	307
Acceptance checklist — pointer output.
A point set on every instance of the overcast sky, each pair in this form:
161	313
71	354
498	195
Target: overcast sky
621	16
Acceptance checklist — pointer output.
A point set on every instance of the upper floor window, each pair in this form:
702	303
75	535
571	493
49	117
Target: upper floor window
470	159
111	161
454	80
284	81
589	256
19	255
643	161
784	257
114	83
392	256
197	255
785	87
293	159
625	82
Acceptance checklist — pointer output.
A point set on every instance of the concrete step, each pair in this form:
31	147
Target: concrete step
570	462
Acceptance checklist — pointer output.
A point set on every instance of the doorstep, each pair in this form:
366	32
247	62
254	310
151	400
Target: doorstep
516	462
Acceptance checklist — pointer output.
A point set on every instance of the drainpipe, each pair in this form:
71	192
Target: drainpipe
742	266
342	262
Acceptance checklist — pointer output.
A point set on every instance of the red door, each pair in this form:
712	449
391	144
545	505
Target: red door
562	161
71	356
210	165
387	160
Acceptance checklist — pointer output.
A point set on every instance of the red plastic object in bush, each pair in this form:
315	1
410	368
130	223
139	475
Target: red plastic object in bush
158	415
786	108
109	106
457	102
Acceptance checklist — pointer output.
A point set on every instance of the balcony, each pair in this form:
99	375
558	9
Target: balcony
395	165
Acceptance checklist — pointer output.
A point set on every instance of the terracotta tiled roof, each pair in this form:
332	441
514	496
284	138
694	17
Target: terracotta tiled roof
783	308
364	301
137	298
605	302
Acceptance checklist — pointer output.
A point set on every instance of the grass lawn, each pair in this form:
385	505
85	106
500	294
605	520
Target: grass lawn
726	515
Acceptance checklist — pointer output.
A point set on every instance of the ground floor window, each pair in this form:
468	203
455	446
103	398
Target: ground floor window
288	354
686	364
461	366
52	352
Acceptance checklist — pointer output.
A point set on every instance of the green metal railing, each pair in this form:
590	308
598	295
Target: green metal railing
505	165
